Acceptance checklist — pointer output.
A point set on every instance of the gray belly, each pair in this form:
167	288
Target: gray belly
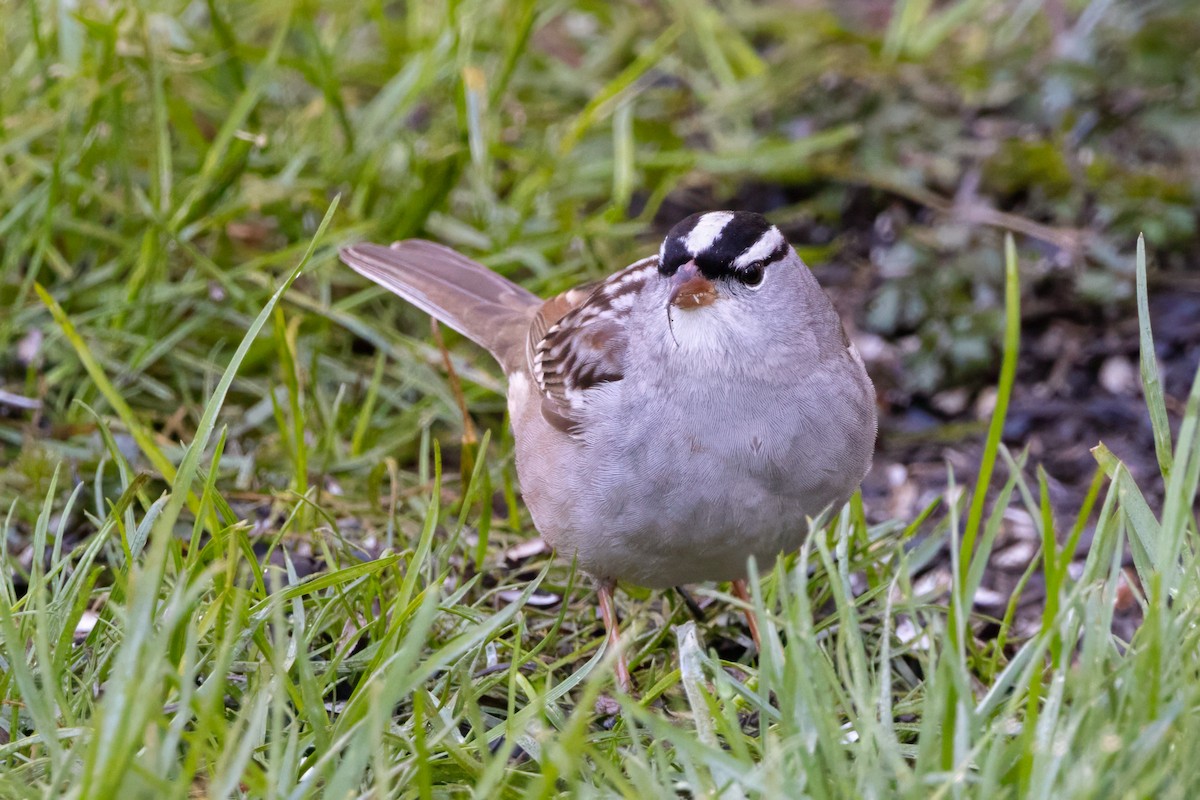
691	497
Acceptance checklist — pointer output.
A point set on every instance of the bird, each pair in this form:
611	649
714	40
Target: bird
692	410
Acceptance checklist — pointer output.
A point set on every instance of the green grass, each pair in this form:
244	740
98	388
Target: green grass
218	394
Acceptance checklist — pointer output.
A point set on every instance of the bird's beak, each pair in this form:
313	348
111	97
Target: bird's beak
690	289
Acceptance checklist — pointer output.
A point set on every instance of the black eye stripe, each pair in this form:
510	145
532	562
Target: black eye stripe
778	253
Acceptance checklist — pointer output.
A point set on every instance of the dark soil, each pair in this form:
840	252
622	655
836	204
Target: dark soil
1078	385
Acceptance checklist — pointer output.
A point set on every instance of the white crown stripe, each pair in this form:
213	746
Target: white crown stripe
707	229
767	244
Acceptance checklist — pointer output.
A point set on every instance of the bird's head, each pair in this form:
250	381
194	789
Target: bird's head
718	253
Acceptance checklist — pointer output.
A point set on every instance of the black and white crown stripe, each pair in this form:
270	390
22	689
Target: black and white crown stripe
770	246
722	242
707	231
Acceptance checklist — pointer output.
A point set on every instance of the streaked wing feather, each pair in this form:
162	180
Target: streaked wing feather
555	308
578	342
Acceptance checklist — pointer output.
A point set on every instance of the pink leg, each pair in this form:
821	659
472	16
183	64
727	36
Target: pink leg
741	592
608	613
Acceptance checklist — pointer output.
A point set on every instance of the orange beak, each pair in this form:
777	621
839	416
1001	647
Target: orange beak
690	289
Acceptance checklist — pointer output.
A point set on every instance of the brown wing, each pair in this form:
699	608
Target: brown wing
480	304
577	341
555	309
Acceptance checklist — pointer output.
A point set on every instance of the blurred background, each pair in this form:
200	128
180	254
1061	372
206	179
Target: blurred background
163	165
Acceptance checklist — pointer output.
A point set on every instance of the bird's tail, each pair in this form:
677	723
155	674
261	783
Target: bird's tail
485	307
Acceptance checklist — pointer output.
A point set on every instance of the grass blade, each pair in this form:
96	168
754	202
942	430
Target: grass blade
1151	384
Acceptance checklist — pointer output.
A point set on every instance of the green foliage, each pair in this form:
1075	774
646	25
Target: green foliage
222	404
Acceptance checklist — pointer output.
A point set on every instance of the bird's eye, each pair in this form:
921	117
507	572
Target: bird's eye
752	275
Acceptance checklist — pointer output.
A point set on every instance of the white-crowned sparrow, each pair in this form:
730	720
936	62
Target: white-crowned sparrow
692	410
